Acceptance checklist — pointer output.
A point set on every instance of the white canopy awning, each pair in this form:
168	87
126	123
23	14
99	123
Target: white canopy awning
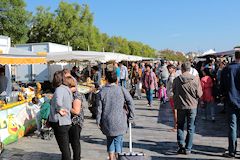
73	56
209	52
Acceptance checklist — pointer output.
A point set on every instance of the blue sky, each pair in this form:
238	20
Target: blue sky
183	25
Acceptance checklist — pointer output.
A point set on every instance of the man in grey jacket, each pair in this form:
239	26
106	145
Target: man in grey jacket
186	92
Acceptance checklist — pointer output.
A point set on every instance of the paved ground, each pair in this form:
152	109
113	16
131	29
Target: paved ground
151	135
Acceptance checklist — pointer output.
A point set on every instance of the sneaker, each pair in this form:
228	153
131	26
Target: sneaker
203	118
37	133
229	155
181	151
187	152
213	119
220	104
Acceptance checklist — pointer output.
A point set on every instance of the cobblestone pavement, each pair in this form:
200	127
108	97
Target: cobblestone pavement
151	135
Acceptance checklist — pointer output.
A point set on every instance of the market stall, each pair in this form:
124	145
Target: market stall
76	57
17	114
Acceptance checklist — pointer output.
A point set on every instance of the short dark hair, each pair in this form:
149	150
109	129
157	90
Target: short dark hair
186	66
35	100
237	54
57	79
148	65
170	66
207	71
111	76
74	67
95	68
2	70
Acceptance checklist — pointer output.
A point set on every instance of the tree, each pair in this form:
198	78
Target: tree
42	26
74	23
171	55
14	20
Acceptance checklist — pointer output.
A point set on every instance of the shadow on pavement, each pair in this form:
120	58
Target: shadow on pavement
170	148
147	109
175	158
18	154
92	140
219	128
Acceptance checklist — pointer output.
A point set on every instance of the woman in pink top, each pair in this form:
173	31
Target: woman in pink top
207	97
149	83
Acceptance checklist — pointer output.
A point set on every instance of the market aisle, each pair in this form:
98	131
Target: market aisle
151	135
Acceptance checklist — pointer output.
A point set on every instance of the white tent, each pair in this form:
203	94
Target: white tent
118	57
209	52
73	56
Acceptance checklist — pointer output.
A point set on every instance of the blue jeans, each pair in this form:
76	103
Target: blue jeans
208	111
233	121
114	144
149	94
123	83
182	115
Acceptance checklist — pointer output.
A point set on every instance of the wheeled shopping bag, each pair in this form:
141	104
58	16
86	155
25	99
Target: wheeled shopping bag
131	155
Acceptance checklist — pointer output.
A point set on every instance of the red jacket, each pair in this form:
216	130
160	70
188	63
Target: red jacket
207	87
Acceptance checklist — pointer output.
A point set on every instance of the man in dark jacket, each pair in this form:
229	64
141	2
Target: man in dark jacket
186	92
230	86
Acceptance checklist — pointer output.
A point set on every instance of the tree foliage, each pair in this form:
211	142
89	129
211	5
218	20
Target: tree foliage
69	23
73	23
171	55
14	20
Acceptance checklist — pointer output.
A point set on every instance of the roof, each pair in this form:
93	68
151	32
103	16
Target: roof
41	43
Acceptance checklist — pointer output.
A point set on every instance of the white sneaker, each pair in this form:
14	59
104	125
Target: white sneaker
220	104
37	132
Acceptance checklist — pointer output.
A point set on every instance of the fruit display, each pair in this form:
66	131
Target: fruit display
25	95
38	91
2	104
84	89
21	96
88	83
103	81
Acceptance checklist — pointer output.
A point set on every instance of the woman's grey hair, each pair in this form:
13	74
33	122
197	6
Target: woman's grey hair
186	66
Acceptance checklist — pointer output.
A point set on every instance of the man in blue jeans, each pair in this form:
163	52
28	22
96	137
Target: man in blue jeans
230	86
186	92
123	75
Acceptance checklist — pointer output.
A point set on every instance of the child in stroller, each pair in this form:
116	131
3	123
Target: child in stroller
46	131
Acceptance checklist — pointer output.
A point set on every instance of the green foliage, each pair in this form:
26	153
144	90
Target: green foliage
14	20
70	22
74	23
171	55
42	26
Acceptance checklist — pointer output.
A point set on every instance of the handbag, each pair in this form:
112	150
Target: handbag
78	119
125	106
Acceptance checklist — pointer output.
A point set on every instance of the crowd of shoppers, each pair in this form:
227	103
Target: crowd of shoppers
186	86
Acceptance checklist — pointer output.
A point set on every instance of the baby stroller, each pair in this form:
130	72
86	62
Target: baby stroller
46	131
